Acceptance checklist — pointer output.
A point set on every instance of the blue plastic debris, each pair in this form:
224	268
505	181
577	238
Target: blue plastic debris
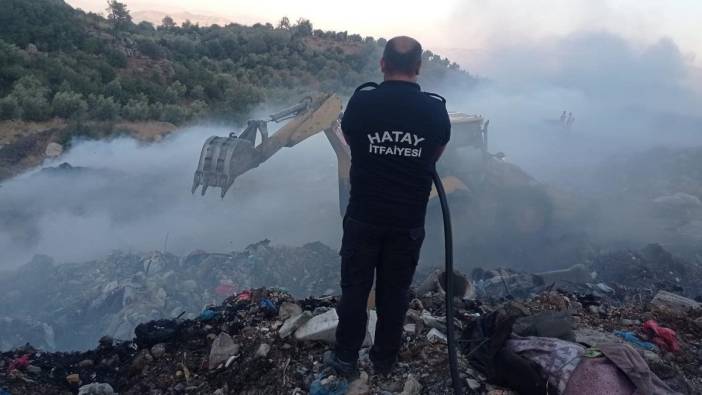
206	315
268	306
328	385
4	392
633	339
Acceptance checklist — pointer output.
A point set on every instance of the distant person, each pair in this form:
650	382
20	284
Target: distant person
570	121
396	133
563	117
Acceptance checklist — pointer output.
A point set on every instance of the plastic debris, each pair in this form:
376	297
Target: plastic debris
323	328
96	389
664	338
223	347
331	385
412	386
436	336
19	363
289	310
632	338
244	295
269	307
207	314
293	323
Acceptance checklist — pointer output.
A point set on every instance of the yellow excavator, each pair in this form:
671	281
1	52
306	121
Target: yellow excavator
223	159
492	200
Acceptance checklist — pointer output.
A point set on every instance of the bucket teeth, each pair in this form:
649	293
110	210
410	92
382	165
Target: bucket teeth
223	159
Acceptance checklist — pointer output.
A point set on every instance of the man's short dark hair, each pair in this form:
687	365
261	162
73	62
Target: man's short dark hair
402	55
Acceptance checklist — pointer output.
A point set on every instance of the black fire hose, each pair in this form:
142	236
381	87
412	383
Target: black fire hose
448	271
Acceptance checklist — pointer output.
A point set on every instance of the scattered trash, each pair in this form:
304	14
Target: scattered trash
331	385
73	379
323	328
670	302
223	347
269	307
436	282
207	315
96	389
411	387
123	290
359	386
266	341
578	274
632	338
263	350
289	310
19	363
664	338
436	335
158	350
293	323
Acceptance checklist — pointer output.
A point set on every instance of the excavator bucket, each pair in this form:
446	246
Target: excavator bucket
217	167
223	159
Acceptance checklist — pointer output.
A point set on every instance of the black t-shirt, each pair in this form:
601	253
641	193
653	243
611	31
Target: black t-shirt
395	132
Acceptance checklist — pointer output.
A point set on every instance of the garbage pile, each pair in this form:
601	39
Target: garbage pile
552	339
652	268
70	306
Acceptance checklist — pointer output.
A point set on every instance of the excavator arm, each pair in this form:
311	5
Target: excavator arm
223	159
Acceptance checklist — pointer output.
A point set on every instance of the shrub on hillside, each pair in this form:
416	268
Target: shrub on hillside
9	108
69	105
105	108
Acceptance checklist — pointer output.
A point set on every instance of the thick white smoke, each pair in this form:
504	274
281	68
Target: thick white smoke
625	97
137	197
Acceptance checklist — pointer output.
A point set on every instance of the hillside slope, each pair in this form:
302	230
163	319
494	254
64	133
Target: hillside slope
56	61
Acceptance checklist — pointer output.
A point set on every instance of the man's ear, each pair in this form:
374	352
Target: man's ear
382	65
419	66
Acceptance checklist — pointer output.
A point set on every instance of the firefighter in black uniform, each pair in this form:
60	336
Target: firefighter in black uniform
396	133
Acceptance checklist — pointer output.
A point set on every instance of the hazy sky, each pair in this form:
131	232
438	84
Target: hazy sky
464	25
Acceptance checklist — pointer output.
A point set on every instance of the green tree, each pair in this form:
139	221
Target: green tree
155	111
174	114
198	93
31	95
114	90
69	105
284	23
9	108
303	27
151	48
168	23
105	109
175	92
136	110
198	108
118	15
146	27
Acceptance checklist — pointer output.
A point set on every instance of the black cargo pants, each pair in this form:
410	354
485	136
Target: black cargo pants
392	255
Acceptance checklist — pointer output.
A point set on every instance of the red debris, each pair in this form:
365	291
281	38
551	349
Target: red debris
19	363
244	295
663	337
